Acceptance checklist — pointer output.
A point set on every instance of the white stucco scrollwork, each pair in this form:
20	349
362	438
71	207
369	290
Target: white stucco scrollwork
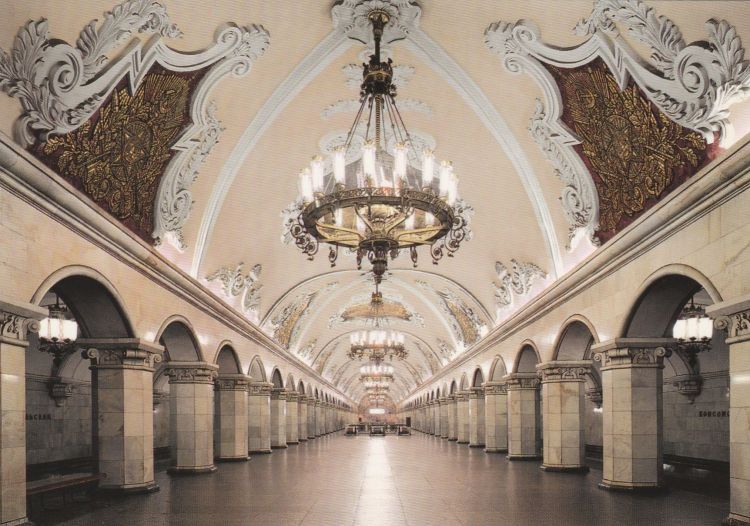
61	86
693	84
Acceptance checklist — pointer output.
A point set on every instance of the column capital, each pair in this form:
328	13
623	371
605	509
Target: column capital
231	382
192	372
476	392
462	396
278	393
495	388
293	396
733	317
518	381
633	352
17	320
120	353
443	400
564	370
259	388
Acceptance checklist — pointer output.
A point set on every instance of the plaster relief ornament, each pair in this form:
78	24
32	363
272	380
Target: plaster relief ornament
62	87
234	284
693	85
517	282
306	353
352	18
284	327
466	324
429	357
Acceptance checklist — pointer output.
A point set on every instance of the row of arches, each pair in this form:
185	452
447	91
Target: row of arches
656	376
164	390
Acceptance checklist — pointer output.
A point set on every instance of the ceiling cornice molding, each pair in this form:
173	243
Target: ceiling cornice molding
25	177
332	46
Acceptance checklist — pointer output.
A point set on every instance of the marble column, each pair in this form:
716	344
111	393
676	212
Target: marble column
632	376
734	317
16	321
311	425
476	417
122	375
443	417
292	415
462	410
320	420
452	419
495	417
230	430
563	386
278	418
191	424
302	418
259	417
523	416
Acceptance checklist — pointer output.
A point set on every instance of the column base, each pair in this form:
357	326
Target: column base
462	442
736	520
476	445
259	451
292	443
310	438
444	437
524	457
23	521
303	440
565	469
649	490
496	450
178	470
232	459
452	439
150	487
279	447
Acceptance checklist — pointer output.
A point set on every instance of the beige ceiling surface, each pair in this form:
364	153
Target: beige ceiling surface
247	227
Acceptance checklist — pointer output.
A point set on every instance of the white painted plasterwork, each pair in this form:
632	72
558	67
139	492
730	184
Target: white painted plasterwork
235	283
516	282
432	54
61	86
694	85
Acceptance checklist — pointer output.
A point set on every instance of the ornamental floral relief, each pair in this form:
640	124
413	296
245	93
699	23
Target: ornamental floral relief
623	131
465	322
132	135
284	326
234	283
516	282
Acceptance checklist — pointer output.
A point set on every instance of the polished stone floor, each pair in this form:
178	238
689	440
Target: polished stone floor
417	480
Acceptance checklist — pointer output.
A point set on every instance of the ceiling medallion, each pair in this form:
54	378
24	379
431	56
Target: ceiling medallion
382	204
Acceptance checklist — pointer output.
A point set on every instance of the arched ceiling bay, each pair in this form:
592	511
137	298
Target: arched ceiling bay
454	93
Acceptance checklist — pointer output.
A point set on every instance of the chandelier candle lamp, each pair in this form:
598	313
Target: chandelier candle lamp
383	203
693	330
57	333
377	345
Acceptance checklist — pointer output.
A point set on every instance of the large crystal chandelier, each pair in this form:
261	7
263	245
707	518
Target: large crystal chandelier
376	374
376	345
382	204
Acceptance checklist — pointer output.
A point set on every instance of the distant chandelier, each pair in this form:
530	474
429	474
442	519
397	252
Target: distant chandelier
376	345
382	204
376	374
57	333
693	330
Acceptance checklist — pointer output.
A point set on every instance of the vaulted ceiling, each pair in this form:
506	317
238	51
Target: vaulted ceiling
456	94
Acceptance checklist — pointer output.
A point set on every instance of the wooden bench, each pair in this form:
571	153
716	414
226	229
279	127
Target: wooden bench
65	485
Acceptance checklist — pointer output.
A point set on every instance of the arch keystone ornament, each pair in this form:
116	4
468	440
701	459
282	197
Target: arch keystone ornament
681	97
75	108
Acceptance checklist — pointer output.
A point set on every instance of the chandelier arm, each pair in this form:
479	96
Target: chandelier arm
390	105
357	118
369	118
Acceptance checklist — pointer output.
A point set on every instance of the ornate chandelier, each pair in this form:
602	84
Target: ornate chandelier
693	330
377	345
383	204
376	374
57	333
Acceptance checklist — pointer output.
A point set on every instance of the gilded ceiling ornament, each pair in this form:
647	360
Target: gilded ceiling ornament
306	352
516	282
466	324
234	283
429	356
361	309
351	17
634	153
117	158
284	327
402	74
61	87
694	85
